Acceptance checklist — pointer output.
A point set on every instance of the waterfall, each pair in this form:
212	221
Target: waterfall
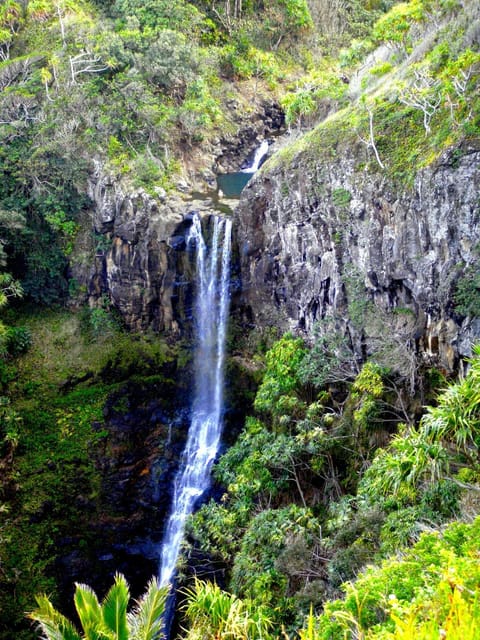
259	155
211	311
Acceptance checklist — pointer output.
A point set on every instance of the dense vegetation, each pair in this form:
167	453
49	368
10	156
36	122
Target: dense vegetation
347	510
53	437
313	494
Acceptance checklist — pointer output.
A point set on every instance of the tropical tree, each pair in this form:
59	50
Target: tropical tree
448	435
108	620
456	419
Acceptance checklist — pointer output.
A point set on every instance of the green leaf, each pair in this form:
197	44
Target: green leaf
114	608
53	624
89	612
145	620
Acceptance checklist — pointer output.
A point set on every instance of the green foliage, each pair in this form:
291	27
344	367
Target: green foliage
10	428
330	358
394	26
218	528
67	229
155	94
265	531
381	69
434	585
367	388
99	322
9	288
255	573
157	15
456	418
54	445
241	60
356	52
418	458
281	374
170	63
418	112
108	619
317	93
18	340
467	294
48	445
259	465
212	612
341	197
400	470
11	19
298	106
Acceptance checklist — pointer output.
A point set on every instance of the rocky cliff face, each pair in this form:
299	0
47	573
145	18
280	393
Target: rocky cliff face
306	226
136	259
140	265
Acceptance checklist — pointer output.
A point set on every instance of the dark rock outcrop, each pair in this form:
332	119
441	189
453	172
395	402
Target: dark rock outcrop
305	222
145	426
140	263
136	266
237	150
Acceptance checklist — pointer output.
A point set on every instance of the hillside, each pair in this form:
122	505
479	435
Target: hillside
345	500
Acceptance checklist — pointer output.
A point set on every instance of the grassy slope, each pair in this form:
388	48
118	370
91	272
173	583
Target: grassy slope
434	65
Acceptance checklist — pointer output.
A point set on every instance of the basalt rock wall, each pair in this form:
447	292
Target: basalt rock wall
305	224
139	258
132	253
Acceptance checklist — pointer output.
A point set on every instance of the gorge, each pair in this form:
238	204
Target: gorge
265	394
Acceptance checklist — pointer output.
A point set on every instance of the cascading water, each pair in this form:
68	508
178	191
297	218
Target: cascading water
211	309
260	153
231	185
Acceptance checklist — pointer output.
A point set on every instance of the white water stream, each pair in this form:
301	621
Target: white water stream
211	314
258	157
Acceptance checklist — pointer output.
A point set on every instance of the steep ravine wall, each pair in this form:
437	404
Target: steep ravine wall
137	238
305	222
135	263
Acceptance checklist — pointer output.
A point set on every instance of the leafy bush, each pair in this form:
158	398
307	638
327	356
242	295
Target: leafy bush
467	294
241	60
156	15
434	585
281	376
18	340
170	63
456	419
330	359
212	612
255	573
394	26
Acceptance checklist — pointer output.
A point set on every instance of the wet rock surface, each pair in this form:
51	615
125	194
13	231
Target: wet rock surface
145	426
303	223
140	259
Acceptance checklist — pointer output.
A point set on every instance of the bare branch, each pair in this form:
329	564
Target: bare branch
85	62
424	95
370	143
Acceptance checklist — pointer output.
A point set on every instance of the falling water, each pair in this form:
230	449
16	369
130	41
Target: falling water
211	310
258	157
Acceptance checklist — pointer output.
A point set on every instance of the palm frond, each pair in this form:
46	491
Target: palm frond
145	620
52	623
114	608
89	611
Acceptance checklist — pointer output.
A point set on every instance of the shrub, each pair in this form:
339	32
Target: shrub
281	375
18	340
434	585
467	294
